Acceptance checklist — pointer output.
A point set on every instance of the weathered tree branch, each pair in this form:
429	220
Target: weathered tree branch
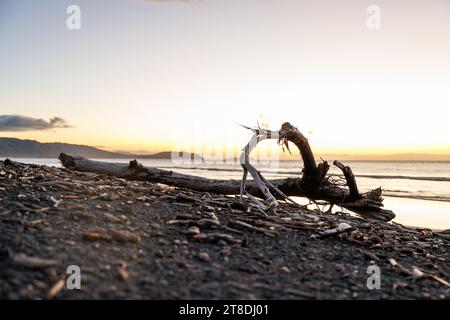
259	135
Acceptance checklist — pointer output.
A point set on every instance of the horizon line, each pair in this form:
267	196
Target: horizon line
348	156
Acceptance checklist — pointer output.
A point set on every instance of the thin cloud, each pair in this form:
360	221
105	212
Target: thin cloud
24	123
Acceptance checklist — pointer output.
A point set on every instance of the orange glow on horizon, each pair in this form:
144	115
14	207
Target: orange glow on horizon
222	151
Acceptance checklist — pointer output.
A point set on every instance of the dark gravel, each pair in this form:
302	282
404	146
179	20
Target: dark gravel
137	240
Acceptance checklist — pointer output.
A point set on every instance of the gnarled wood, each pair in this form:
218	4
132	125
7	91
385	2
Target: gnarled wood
314	183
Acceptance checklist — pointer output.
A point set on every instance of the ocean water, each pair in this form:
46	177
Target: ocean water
418	192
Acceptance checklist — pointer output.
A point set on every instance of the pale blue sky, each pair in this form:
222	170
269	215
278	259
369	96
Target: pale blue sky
143	75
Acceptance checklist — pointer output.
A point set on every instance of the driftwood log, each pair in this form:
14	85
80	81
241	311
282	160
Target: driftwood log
314	183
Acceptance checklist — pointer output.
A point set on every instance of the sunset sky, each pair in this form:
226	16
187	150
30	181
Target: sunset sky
146	76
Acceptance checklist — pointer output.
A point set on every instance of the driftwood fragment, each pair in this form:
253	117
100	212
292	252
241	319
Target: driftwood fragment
341	228
417	273
248	226
23	260
110	235
56	288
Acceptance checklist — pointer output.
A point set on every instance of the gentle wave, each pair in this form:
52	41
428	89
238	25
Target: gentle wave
411	196
440	179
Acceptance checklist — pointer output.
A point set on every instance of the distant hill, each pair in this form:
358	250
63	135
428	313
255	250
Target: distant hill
17	148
